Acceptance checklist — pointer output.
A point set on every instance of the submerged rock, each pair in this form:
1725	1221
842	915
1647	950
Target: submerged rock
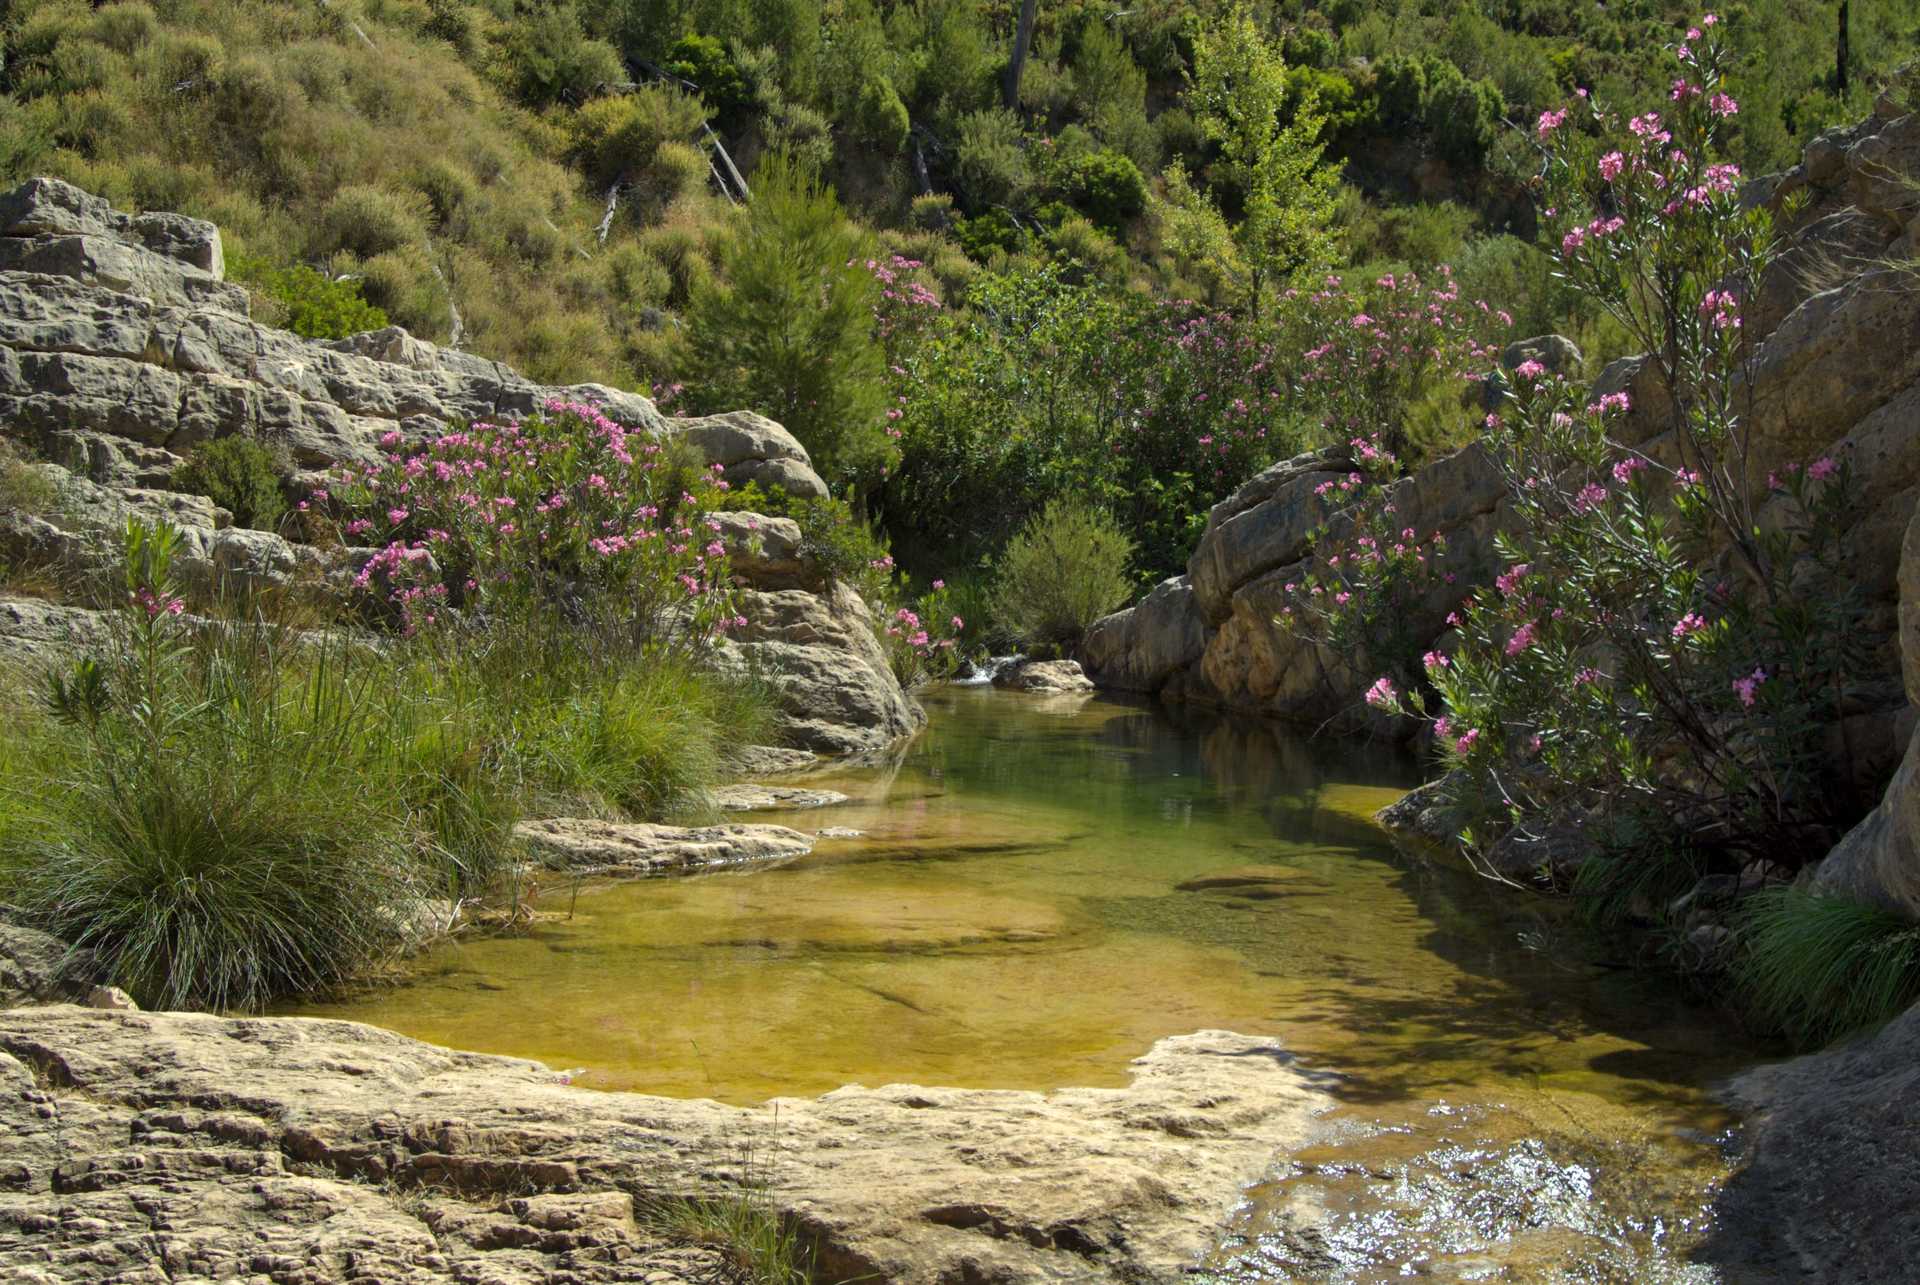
296	1149
635	848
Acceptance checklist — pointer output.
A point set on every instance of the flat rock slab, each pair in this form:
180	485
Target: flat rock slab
771	760
773	798
636	848
296	1149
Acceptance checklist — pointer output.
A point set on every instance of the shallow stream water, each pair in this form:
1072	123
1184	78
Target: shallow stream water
1045	886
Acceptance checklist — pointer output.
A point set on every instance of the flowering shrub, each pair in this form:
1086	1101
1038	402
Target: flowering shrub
567	512
921	636
1657	653
1361	594
1367	357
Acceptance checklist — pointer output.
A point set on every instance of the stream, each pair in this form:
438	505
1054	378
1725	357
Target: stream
1042	887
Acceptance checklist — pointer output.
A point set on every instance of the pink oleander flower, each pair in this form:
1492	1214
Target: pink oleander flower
1383	694
1822	469
958	623
1434	662
1623	471
1465	741
1549	121
1746	688
1691	623
1611	166
1522	639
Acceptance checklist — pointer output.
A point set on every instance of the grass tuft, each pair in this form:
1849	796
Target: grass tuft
1819	967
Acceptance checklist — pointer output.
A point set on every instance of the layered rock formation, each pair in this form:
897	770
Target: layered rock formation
122	347
175	1146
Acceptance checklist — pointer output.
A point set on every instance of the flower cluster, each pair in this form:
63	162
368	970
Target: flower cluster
568	510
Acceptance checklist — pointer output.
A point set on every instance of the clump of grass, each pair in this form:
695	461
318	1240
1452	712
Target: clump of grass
23	488
1818	967
197	819
762	1247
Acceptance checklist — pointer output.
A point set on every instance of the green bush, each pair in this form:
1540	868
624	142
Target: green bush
316	307
240	475
368	220
1065	569
23	488
202	823
1819	967
789	332
1108	187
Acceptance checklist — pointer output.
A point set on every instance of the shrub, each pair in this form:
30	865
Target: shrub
1108	187
1064	570
880	118
1819	967
789	330
240	475
567	513
207	831
703	60
368	221
1615	670
23	488
990	159
316	307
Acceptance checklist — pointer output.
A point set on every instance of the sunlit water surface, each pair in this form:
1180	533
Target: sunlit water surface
1045	886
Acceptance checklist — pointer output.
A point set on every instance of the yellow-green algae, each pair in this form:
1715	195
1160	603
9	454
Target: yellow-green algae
1044	888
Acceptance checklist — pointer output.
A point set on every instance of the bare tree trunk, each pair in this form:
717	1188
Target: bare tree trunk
1022	38
1841	52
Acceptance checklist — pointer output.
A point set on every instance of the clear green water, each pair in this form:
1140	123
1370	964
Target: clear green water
1045	887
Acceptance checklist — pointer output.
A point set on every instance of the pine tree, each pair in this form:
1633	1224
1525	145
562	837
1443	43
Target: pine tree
788	328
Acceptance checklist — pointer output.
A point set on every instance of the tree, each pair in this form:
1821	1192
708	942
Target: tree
1269	138
1022	39
788	331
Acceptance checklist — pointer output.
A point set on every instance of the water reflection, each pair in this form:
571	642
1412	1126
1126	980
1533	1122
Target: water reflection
1042	889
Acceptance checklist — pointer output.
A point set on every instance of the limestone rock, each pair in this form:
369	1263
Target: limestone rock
837	694
1140	648
1879	860
112	999
1043	677
765	552
774	798
1828	1187
770	760
296	1149
38	968
636	848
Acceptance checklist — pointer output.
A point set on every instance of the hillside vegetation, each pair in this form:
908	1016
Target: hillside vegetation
1046	250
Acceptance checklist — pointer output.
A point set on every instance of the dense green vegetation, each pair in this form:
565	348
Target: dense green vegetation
253	802
545	184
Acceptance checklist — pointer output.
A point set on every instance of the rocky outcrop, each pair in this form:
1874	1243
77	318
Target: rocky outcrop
37	968
1828	1188
1836	372
178	1146
774	798
1879	859
122	347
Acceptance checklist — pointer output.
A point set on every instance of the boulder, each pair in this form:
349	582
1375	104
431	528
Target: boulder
1879	859
36	968
1043	677
322	1151
1140	648
1828	1185
636	848
836	692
